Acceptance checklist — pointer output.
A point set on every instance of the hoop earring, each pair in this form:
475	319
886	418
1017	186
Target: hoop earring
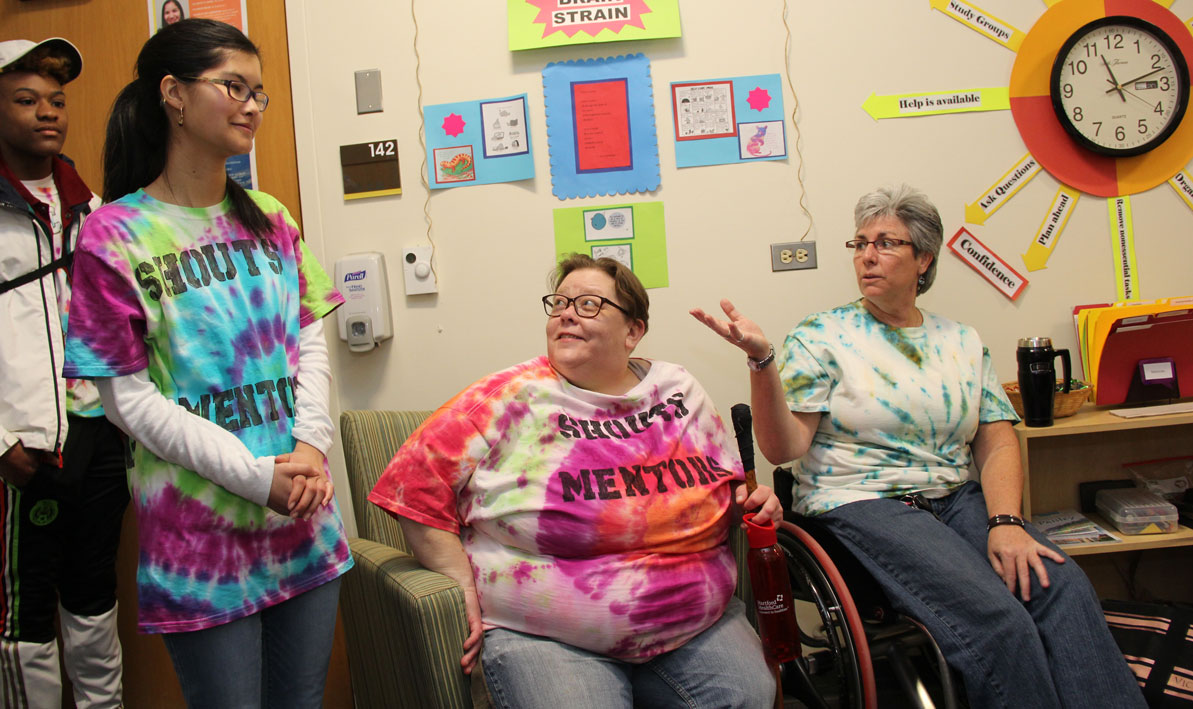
179	115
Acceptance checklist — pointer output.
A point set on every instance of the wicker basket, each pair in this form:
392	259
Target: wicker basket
1062	404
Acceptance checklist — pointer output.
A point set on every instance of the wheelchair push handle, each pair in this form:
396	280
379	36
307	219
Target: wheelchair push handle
743	423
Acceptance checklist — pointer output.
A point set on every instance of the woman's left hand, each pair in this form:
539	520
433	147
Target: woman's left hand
1013	552
762	502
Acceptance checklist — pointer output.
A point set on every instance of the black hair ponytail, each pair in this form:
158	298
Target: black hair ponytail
138	127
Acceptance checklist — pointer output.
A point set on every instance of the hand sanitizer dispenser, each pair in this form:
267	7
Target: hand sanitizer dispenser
364	318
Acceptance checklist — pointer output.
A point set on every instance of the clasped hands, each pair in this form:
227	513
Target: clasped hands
299	484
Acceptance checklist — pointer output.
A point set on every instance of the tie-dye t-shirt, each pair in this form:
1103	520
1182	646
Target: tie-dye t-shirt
599	521
214	314
900	405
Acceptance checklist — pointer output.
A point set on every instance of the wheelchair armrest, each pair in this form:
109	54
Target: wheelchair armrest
405	627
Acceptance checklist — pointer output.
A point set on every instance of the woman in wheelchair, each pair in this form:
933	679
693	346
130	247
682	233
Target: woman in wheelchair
886	406
582	500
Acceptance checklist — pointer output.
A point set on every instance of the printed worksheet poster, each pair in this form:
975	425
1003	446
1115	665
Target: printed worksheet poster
478	142
633	234
552	23
601	127
719	121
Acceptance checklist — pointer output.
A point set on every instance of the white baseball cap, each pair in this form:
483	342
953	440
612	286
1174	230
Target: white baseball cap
14	49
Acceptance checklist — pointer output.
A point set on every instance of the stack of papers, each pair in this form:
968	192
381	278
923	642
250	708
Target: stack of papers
1071	527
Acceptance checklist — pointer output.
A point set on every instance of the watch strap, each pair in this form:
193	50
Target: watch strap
758	365
999	520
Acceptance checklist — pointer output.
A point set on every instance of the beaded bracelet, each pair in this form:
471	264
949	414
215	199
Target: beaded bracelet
998	520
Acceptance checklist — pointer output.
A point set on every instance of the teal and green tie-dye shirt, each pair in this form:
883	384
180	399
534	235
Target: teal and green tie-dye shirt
900	405
213	313
599	521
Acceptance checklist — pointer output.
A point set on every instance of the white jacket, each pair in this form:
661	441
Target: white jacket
32	390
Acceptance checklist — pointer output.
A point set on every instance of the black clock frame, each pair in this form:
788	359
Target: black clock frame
1182	70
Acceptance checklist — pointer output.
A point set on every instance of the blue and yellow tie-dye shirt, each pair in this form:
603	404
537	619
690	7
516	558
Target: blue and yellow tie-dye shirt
900	405
213	313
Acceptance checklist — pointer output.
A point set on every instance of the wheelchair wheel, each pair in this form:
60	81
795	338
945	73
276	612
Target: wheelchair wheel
848	679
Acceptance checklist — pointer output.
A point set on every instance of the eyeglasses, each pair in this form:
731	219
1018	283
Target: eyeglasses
884	245
237	90
586	305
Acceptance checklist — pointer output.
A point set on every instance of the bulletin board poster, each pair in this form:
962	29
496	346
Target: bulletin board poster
633	234
167	12
241	168
478	142
552	23
601	127
721	121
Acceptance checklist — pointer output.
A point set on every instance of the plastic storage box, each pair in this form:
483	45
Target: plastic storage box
1137	511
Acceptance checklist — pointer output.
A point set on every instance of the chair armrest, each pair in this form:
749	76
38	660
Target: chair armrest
405	628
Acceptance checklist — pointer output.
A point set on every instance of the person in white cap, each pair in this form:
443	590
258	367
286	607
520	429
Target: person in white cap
64	488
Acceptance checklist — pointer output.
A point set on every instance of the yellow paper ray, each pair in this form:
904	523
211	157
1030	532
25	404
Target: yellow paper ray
1002	190
936	102
1182	182
981	22
1048	235
1122	242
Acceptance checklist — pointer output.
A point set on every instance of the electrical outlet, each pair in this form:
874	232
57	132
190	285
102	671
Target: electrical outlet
793	256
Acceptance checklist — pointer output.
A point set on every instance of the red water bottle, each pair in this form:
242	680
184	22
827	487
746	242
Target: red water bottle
773	600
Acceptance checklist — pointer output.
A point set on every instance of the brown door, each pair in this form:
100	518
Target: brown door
109	34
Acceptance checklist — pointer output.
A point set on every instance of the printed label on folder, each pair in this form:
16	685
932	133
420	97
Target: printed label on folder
981	259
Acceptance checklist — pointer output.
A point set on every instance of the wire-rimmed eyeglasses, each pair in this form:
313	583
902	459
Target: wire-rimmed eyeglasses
237	90
586	305
884	245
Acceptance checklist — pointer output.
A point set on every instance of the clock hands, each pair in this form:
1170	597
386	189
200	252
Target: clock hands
1132	81
1117	86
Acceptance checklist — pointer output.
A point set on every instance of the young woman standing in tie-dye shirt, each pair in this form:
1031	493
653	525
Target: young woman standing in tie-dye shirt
582	500
197	311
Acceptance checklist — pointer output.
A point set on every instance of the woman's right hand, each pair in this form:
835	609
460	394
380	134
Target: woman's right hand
476	633
738	330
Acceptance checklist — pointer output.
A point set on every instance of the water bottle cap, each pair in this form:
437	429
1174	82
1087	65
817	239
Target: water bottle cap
1035	342
760	536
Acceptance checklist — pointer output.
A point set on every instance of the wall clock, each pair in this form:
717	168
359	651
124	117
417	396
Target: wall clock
1100	172
1119	86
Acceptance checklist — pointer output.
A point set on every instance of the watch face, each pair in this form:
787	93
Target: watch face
1120	86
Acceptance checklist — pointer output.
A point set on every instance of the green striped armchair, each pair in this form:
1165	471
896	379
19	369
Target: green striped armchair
404	625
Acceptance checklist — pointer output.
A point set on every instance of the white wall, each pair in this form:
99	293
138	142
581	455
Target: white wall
495	243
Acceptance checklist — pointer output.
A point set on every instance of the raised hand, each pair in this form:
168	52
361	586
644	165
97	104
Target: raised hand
739	330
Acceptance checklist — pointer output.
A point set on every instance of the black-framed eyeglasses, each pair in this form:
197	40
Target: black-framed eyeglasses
884	245
237	90
586	305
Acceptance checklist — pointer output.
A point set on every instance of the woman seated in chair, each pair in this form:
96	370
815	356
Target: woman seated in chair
885	406
582	500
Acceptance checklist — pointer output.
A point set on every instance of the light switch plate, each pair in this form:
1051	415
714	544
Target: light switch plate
793	256
368	91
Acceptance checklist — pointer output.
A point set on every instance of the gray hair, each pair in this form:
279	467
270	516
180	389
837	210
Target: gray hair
917	213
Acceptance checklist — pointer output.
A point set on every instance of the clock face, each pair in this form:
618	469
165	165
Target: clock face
1120	86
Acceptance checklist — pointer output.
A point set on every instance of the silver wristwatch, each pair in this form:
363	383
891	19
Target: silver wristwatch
758	365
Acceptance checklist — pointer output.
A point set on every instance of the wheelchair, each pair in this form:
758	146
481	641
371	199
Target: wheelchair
863	653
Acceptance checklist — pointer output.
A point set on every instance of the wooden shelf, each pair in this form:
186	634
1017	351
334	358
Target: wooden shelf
1093	445
1183	536
1096	419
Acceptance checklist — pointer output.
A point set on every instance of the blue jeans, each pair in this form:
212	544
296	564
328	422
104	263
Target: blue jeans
721	667
275	658
1052	651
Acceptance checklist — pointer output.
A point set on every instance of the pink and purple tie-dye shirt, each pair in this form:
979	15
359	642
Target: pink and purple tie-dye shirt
214	314
599	521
